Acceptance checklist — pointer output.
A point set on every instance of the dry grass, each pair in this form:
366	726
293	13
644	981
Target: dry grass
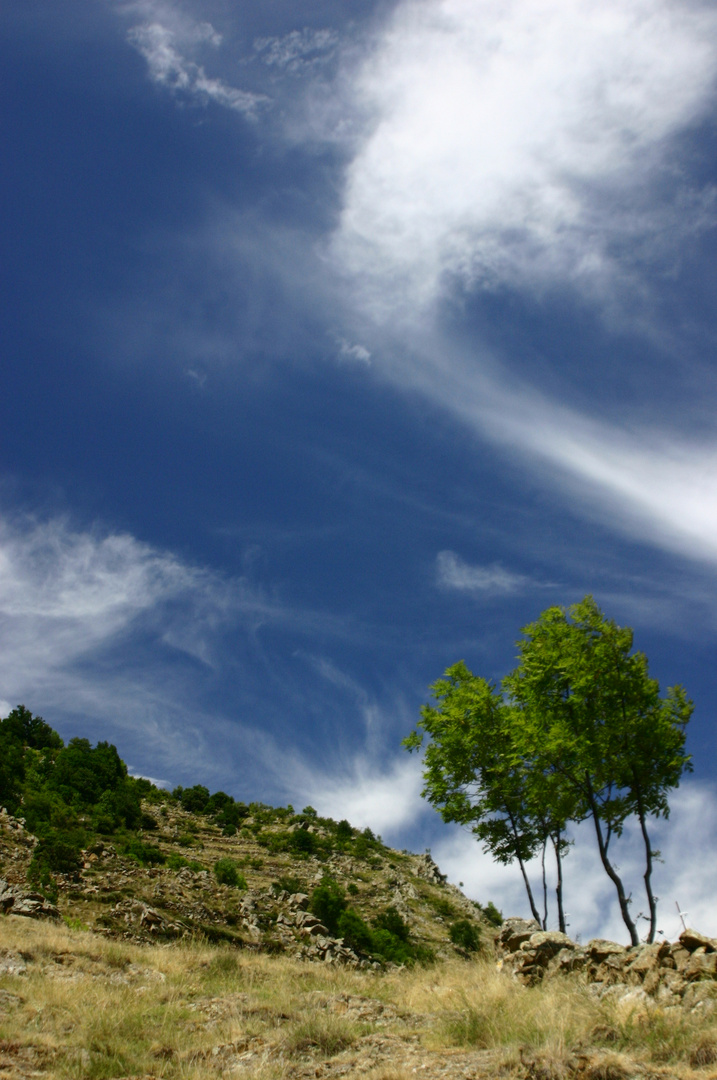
87	1007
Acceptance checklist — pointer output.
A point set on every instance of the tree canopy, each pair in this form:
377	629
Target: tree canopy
578	730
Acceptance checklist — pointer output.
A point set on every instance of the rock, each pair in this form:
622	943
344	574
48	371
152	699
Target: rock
691	940
299	900
12	964
702	964
515	931
649	957
32	905
428	870
599	950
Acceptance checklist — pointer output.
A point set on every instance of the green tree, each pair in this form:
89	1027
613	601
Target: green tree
580	731
475	775
592	716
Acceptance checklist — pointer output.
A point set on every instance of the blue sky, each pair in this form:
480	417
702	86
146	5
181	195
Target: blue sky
340	341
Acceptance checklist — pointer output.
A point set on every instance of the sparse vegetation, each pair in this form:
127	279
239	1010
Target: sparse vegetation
193	1011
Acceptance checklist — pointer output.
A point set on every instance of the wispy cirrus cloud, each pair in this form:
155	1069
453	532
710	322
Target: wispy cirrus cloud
452	572
165	47
540	155
298	51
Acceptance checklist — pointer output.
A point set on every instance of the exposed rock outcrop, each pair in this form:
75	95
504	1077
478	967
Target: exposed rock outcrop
17	901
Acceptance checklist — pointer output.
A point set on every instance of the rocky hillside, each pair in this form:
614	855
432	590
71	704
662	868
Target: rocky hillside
253	889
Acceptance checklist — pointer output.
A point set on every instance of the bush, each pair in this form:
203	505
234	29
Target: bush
58	852
328	901
356	934
226	873
145	854
492	915
344	830
465	935
387	946
287	883
193	799
391	920
302	842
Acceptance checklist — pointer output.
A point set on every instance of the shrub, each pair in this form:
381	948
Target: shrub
303	842
465	935
59	852
287	883
389	947
391	920
352	889
492	915
356	934
193	799
328	901
344	830
145	854
226	873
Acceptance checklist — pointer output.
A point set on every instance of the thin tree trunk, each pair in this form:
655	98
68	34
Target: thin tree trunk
609	868
545	888
528	889
559	886
648	861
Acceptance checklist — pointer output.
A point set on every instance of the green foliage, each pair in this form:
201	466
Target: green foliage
145	854
391	920
465	935
303	842
227	873
578	730
194	799
59	852
328	901
344	831
491	914
287	883
356	934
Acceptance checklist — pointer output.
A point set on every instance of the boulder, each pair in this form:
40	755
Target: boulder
692	939
599	950
514	932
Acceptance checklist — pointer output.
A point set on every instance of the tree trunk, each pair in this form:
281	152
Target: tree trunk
609	868
545	888
559	886
648	860
523	871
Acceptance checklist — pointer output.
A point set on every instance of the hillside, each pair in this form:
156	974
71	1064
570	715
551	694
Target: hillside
120	856
183	934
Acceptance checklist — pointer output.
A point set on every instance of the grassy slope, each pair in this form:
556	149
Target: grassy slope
77	1004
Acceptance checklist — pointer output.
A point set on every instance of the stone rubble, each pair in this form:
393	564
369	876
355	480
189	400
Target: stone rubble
679	973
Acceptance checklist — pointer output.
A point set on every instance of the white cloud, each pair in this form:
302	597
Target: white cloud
297	51
160	46
518	141
649	483
353	353
91	623
453	573
386	798
688	874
